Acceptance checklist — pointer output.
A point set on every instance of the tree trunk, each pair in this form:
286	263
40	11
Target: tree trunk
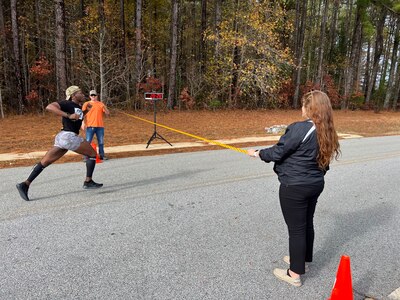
84	51
396	88
307	47
102	38
124	59
38	40
236	62
218	17
355	56
1	105
367	69
377	53
332	30
313	11
174	54
123	30
393	60
393	90
322	44
17	57
138	53
235	76
61	49
24	64
357	66
301	13
203	55
154	48
217	46
7	68
347	70
386	54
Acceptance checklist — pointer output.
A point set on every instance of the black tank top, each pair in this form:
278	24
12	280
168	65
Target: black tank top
71	108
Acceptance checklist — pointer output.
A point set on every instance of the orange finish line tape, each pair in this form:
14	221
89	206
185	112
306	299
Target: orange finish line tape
188	134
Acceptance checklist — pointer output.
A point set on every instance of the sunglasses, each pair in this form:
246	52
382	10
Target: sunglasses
93	95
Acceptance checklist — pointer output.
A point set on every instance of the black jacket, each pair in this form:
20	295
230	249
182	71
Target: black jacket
295	155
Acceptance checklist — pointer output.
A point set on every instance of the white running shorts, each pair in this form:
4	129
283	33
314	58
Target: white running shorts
68	140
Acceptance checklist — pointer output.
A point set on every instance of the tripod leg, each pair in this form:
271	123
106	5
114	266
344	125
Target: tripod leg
159	136
154	136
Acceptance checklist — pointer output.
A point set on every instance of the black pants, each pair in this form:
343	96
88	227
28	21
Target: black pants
298	206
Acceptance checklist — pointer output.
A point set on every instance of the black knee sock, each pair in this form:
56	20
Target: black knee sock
35	172
90	164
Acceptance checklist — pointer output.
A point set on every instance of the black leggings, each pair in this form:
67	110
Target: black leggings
298	206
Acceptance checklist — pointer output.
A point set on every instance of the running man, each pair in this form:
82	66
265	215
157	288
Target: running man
67	139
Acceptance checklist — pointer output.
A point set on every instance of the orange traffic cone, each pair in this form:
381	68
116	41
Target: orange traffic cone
98	160
342	289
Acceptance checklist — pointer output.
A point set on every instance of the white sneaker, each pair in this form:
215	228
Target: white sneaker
286	259
282	274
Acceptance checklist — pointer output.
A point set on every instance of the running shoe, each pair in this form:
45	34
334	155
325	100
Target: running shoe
23	190
91	185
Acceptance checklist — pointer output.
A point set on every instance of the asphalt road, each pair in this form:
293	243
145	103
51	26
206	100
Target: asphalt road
202	225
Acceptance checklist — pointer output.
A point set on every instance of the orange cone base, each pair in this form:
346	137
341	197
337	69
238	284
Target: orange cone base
98	160
343	289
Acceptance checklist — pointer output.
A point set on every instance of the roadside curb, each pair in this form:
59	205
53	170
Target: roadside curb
160	146
395	295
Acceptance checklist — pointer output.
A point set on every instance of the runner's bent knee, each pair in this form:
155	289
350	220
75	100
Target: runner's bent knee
86	149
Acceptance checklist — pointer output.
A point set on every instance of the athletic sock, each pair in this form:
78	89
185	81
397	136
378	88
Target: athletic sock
90	164
35	172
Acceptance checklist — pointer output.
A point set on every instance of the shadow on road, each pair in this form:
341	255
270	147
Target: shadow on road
347	227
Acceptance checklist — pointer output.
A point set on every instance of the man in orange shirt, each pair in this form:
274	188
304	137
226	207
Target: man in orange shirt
94	121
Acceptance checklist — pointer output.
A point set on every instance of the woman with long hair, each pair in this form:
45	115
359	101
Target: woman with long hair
302	156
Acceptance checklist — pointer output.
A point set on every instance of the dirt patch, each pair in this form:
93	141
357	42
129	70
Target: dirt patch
22	134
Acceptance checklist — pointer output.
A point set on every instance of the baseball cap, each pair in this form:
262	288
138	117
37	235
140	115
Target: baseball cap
93	92
71	90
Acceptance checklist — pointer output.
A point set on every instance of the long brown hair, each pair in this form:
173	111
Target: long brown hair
318	108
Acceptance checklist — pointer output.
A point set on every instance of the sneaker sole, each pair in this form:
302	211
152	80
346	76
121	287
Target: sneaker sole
21	193
92	187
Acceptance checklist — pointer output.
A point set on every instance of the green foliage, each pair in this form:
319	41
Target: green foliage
368	29
215	104
363	4
263	62
341	48
378	96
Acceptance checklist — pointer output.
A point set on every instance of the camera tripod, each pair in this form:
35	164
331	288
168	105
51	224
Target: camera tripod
155	135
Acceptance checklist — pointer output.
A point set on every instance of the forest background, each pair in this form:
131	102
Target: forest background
200	53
